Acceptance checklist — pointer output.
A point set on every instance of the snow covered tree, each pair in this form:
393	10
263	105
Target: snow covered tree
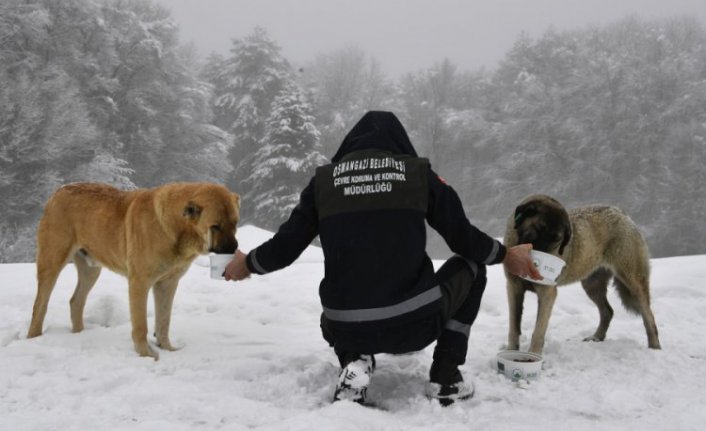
44	133
45	129
426	97
195	150
285	161
608	115
158	111
344	84
245	85
97	90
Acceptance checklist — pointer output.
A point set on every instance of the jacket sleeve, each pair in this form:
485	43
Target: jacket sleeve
446	215
293	236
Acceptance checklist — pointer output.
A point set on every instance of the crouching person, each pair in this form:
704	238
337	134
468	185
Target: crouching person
380	293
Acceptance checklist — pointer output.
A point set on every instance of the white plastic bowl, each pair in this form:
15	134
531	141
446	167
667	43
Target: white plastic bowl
548	265
516	365
218	263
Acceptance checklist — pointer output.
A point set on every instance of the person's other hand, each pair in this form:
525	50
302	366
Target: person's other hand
237	269
519	262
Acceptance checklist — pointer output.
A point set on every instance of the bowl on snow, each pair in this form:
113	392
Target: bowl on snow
516	365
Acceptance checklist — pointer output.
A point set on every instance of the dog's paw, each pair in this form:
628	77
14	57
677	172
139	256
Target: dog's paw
593	338
34	332
146	351
166	345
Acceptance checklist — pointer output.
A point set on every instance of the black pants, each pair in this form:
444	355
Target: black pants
462	285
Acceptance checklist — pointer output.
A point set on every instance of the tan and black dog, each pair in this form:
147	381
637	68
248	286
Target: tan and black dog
150	236
597	243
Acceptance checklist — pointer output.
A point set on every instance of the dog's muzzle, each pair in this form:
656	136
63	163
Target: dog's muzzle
228	248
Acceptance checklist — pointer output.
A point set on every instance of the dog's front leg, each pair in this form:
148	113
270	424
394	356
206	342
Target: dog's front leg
546	295
139	289
164	291
515	300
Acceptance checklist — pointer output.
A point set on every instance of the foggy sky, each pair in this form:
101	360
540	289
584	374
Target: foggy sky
404	35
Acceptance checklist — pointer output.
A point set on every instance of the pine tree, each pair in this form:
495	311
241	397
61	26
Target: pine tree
159	113
285	161
244	89
45	126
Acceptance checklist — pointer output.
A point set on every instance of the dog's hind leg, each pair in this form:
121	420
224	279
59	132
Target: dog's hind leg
546	296
50	262
596	287
634	290
87	276
515	299
163	292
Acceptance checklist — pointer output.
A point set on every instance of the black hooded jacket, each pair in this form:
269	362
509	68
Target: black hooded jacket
369	208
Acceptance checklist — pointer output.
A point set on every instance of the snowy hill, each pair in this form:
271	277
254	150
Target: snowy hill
253	357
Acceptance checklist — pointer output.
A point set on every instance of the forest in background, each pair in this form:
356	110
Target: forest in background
104	90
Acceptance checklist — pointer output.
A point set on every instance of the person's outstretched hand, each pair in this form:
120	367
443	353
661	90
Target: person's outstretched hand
237	269
518	262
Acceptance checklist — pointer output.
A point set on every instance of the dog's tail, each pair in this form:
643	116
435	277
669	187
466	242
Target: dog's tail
630	301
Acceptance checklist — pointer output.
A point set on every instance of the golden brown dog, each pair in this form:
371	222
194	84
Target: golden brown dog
597	243
150	236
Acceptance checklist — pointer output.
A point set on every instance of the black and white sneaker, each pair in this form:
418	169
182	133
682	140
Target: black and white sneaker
449	394
446	383
354	380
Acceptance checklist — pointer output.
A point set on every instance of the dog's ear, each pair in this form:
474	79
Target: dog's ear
567	237
192	211
523	211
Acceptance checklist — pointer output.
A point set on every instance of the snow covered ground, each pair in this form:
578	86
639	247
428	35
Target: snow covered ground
253	357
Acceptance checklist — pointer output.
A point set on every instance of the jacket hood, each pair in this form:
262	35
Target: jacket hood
376	130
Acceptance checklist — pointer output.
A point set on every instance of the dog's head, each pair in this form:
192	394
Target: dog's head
200	217
213	213
543	222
